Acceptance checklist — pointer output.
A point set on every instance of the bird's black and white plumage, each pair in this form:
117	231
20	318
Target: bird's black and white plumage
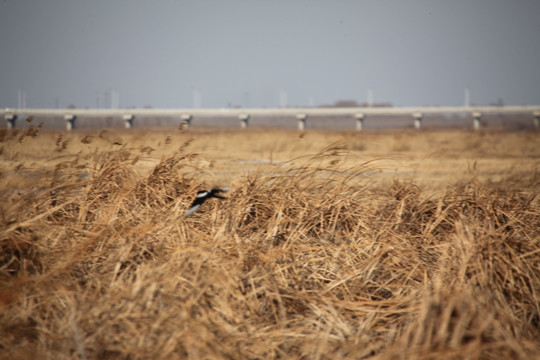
202	196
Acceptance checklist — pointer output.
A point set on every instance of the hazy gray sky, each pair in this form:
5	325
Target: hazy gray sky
247	53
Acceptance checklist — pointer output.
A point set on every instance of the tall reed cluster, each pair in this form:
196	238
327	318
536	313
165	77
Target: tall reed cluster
304	260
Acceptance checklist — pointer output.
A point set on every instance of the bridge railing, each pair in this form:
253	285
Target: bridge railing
301	114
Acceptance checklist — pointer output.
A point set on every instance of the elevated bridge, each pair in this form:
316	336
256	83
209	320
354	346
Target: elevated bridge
300	114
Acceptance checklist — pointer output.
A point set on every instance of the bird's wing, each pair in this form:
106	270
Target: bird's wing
197	202
192	209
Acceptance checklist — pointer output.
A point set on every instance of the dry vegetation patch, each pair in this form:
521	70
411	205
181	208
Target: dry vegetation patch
310	256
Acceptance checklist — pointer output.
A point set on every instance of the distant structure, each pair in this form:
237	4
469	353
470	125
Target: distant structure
370	98
21	99
283	98
115	99
467	100
197	99
353	104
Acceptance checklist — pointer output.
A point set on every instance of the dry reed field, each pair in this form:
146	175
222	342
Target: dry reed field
330	245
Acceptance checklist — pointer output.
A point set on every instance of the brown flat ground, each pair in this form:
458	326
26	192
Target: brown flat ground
431	158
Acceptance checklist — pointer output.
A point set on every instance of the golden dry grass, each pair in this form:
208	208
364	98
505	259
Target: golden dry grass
331	245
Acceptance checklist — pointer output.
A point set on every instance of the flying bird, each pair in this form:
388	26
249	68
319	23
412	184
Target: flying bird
202	196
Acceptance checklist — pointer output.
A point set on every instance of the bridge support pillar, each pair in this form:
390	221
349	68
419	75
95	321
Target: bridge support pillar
70	122
418	120
244	120
476	122
128	120
359	121
301	121
536	120
186	120
10	120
